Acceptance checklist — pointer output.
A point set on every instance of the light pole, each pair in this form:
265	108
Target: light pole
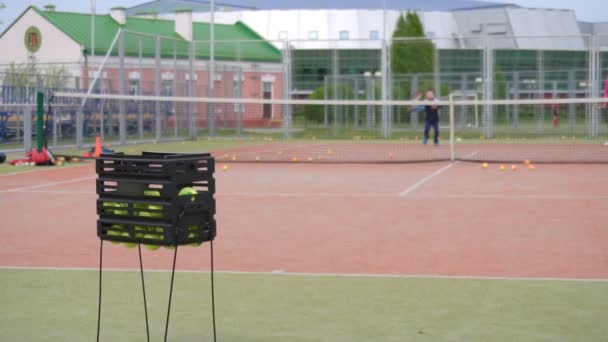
93	13
212	45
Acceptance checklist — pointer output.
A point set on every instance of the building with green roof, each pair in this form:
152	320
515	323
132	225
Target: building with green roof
78	27
143	51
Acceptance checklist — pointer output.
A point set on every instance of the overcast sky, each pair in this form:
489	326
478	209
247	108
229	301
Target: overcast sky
588	10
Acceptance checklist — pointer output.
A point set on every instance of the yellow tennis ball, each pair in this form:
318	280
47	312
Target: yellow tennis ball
129	244
502	168
484	166
188	191
115	233
513	167
225	168
257	158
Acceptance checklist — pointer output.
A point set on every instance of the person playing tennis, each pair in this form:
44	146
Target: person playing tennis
431	119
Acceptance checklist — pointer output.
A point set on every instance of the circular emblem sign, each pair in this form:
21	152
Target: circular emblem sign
33	39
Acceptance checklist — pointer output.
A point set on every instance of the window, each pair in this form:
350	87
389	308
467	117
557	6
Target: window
374	34
167	89
267	87
237	89
283	35
313	35
134	87
344	35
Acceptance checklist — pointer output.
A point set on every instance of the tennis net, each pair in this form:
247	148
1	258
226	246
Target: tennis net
568	130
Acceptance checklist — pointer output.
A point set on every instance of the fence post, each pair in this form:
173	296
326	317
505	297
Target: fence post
210	93
571	94
356	108
239	95
488	89
593	110
413	91
79	123
516	84
325	106
27	128
157	90
452	133
385	128
287	114
122	115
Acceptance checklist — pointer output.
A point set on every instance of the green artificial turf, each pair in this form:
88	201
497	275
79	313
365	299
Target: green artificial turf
61	305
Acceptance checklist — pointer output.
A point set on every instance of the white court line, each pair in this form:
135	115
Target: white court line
354	194
18	173
412	188
513	197
46	185
312	274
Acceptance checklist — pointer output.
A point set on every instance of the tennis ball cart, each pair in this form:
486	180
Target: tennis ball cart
155	200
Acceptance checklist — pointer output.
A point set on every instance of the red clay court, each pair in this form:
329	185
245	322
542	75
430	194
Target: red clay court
435	219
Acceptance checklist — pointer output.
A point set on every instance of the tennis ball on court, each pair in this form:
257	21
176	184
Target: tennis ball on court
294	159
59	163
75	160
257	158
225	168
513	167
188	191
233	158
329	152
459	139
531	167
309	159
484	166
527	162
502	168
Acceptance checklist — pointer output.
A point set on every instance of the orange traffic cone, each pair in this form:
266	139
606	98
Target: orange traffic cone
98	149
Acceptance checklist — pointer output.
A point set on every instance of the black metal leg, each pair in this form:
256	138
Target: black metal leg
170	294
143	288
99	298
212	294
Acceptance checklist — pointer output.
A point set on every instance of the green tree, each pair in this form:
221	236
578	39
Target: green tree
409	55
316	113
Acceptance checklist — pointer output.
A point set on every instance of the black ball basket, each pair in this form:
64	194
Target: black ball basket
139	199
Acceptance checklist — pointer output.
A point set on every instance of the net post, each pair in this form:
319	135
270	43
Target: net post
452	133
